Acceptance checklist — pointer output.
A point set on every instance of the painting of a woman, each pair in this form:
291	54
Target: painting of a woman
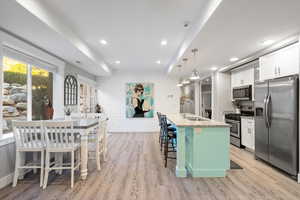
139	100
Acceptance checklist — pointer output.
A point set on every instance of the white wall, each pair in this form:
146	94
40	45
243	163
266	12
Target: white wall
111	95
221	95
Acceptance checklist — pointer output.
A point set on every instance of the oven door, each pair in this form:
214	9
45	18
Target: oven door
242	93
234	128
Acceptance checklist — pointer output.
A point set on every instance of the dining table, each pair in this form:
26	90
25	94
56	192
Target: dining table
85	126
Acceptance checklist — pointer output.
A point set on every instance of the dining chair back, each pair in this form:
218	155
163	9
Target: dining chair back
28	134
60	134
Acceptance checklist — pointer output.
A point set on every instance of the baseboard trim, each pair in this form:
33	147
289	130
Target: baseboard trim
6	180
136	132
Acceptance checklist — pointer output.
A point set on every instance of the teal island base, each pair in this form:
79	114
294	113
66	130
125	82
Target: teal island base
203	151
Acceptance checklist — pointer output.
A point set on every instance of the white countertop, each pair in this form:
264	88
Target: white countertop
185	120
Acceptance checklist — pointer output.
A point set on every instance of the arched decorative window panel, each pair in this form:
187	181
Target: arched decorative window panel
71	91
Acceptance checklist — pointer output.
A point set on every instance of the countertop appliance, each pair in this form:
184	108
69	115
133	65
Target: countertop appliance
242	93
234	120
276	123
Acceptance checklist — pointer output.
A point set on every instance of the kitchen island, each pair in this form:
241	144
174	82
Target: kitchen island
202	146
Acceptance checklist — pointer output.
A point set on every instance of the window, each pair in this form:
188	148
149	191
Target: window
14	92
18	102
88	98
71	91
42	92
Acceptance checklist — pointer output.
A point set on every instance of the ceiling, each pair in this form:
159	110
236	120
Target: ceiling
237	28
133	29
15	19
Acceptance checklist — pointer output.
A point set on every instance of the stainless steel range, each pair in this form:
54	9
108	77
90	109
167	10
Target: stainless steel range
234	120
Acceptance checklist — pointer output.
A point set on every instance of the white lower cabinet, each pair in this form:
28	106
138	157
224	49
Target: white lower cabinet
248	132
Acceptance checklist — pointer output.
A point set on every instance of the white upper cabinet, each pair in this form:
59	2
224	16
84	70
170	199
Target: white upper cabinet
283	62
242	77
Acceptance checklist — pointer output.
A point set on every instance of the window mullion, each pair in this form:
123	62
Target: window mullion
29	92
1	92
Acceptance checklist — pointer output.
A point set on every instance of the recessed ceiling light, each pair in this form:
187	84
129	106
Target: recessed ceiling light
179	84
213	68
164	42
104	42
158	62
233	59
117	62
267	42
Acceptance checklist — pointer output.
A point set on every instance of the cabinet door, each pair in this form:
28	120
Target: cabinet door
244	132
267	67
248	132
288	61
251	132
248	76
235	79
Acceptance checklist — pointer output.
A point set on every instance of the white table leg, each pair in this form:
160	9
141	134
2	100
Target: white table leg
84	153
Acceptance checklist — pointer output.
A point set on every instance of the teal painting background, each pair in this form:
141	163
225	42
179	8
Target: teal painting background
147	96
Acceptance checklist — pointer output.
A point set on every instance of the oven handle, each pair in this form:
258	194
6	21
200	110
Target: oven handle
232	121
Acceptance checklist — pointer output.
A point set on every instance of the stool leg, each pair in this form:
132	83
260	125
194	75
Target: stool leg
47	168
17	165
72	169
98	156
35	159
42	169
166	151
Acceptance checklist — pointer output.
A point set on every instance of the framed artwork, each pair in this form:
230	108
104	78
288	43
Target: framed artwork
139	100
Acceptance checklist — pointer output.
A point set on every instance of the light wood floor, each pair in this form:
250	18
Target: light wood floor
134	170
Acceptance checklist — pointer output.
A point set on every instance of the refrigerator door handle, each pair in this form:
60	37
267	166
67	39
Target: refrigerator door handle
266	111
269	106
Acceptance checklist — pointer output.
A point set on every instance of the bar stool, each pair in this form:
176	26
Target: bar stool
169	137
60	137
98	139
29	137
169	127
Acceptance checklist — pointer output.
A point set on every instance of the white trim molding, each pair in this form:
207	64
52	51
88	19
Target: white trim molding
6	180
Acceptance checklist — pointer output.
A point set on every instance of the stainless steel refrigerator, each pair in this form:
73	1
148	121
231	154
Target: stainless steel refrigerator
276	123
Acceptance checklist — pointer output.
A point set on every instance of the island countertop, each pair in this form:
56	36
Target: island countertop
189	120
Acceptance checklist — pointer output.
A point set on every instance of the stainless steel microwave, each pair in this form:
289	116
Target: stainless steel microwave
242	93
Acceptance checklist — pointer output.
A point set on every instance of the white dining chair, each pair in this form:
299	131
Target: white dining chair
61	138
97	140
29	137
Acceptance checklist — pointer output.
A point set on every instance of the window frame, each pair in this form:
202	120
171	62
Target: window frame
28	86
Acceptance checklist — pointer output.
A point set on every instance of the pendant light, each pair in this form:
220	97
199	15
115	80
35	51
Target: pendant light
195	74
